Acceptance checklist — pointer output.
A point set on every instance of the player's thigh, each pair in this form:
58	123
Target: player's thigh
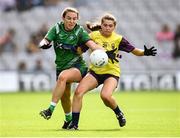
71	75
109	86
88	83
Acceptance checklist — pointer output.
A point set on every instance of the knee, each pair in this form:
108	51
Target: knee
61	78
79	93
106	99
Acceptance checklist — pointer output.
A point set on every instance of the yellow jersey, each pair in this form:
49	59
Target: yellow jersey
109	43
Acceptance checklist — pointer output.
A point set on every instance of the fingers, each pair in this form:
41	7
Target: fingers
151	48
44	42
112	60
153	51
113	50
150	52
145	48
112	55
119	56
116	60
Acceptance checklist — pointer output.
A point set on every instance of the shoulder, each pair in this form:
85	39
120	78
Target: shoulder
79	27
117	36
57	24
55	28
95	34
79	30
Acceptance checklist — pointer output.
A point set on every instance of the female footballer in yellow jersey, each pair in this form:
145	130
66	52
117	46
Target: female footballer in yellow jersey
109	74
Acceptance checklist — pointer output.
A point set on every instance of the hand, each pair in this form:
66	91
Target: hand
44	44
81	49
112	55
84	48
150	52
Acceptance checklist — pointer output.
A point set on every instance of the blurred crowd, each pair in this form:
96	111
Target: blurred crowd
165	37
35	38
7	42
23	5
8	45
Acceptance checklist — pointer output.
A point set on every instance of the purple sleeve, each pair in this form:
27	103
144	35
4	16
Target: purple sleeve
125	46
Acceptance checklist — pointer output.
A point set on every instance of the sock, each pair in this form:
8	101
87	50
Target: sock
75	118
52	106
117	111
68	116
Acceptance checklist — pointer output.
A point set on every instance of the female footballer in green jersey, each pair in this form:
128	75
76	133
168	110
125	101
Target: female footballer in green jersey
70	67
107	75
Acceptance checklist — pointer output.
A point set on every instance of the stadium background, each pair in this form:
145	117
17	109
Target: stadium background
148	91
139	21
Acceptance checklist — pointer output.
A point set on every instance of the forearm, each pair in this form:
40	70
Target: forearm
92	45
138	52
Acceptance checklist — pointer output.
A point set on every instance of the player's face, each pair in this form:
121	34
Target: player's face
70	20
107	27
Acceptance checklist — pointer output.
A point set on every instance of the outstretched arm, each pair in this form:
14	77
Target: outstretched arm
146	52
93	46
138	52
127	47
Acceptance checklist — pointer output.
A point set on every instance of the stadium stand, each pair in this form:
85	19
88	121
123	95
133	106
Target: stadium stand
138	21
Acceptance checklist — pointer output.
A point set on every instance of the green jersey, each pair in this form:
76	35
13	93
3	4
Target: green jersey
66	58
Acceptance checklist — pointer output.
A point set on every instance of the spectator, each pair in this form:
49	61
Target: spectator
165	34
23	5
165	39
37	3
176	50
7	5
42	32
51	2
38	65
32	46
7	43
22	66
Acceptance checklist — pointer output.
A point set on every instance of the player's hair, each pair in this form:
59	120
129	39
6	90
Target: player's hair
96	26
70	9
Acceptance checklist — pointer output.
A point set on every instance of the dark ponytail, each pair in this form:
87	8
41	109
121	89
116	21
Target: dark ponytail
95	27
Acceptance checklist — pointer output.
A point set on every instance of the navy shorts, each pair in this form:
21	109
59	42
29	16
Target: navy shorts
102	77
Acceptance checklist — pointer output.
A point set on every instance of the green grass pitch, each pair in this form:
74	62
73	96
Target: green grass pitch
148	114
